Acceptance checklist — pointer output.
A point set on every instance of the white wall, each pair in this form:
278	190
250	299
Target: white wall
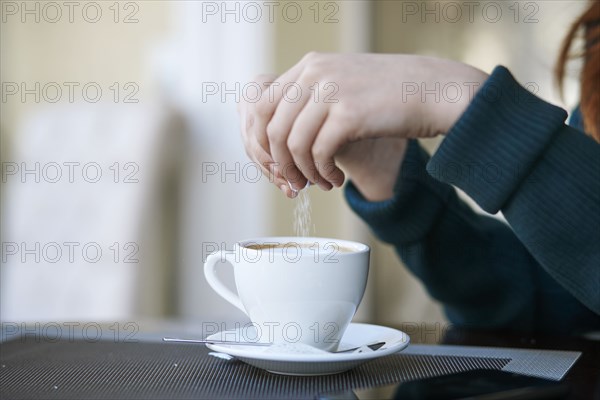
221	208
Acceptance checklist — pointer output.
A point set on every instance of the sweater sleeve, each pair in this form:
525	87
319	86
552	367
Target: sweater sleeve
509	151
513	152
458	254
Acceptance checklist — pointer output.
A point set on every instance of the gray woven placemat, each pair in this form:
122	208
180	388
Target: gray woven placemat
547	364
107	370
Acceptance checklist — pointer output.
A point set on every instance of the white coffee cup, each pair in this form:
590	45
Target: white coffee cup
306	292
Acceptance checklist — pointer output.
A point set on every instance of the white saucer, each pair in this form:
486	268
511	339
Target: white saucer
317	364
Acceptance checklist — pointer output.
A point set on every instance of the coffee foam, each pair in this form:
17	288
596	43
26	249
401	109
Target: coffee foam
314	246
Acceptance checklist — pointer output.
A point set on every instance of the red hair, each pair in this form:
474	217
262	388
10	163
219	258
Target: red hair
589	80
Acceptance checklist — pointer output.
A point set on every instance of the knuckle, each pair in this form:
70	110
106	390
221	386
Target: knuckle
330	170
264	80
310	73
346	109
249	122
311	56
346	115
314	63
315	70
296	145
319	154
252	150
274	133
263	108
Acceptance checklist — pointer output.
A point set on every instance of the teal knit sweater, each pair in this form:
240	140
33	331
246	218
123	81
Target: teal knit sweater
510	152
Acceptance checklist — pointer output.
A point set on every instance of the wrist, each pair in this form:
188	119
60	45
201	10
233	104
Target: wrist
470	81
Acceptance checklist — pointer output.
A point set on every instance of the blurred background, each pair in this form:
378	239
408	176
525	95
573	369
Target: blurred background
122	165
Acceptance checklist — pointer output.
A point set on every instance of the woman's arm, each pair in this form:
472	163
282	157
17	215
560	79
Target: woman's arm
458	255
545	177
513	153
509	151
475	265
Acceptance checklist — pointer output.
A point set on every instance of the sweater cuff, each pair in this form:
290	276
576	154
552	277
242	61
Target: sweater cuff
496	142
415	206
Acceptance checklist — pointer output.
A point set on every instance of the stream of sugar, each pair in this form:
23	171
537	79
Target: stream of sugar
302	211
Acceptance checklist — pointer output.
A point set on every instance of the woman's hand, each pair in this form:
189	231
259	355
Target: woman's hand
373	165
311	116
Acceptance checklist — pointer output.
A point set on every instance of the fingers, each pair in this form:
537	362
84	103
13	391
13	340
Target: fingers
262	112
253	149
276	113
293	138
278	131
301	138
269	101
331	138
268	168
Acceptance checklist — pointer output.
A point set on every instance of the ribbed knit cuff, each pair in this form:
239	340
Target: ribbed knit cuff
496	142
417	202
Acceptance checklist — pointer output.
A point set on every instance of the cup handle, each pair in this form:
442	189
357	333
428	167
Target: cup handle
210	272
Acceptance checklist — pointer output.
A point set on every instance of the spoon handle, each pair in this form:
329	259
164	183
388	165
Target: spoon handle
214	341
373	346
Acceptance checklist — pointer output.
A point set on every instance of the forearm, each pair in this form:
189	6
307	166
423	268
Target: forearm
456	253
515	154
519	158
473	264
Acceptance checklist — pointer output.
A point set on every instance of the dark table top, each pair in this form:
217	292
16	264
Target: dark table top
583	377
132	354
